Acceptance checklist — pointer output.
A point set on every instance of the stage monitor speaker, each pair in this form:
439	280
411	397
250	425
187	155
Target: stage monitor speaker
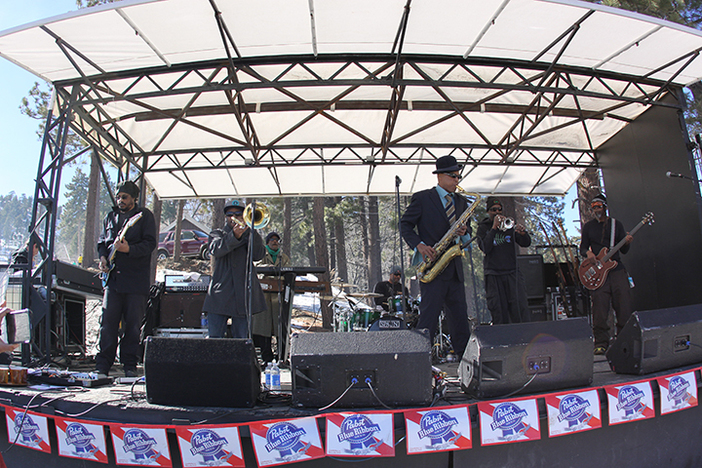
201	372
397	364
532	269
181	310
501	359
655	340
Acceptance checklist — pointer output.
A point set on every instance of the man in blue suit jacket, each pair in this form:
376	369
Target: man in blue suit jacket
424	223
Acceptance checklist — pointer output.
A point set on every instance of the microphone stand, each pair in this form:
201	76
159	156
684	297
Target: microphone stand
251	271
398	181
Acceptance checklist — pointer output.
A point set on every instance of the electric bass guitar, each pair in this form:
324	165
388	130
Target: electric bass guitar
593	271
105	275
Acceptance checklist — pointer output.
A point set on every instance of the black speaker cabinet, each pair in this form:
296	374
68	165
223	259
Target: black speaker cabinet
654	340
500	359
181	310
532	269
201	372
397	364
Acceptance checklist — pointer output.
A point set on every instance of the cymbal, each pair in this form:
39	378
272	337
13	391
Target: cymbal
343	285
365	294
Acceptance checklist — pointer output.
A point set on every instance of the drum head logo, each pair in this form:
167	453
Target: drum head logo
358	431
677	391
141	445
27	429
629	401
509	418
573	409
437	426
285	438
81	439
209	445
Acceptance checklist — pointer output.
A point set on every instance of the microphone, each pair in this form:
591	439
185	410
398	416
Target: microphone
679	176
398	181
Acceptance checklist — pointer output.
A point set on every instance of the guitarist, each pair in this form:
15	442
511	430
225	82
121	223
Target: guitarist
597	234
128	283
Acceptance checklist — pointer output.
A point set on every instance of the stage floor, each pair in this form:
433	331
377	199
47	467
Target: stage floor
636	444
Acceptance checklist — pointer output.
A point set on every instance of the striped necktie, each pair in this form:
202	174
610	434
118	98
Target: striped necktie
450	209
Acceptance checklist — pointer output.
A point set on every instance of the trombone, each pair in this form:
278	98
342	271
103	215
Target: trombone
260	217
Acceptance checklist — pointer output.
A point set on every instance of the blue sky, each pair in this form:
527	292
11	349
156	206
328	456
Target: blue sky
19	144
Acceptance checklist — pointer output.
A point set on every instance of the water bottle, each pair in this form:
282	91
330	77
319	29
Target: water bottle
275	376
204	325
268	370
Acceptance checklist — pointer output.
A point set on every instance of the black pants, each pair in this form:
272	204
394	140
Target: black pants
446	293
506	298
617	292
128	309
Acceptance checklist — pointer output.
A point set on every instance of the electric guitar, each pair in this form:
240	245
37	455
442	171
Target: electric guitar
105	275
593	271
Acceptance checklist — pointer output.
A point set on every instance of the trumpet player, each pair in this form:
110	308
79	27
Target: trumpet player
227	296
426	220
504	285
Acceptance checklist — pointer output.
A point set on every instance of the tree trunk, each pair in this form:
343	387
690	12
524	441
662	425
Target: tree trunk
178	228
218	213
156	210
363	222
588	187
92	212
375	273
287	227
322	253
342	268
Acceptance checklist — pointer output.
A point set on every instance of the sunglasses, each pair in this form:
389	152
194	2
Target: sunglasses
495	209
453	176
597	205
231	214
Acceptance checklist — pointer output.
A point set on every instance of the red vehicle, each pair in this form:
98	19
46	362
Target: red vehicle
192	244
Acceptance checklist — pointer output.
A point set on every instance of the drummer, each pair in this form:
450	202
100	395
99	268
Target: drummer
389	289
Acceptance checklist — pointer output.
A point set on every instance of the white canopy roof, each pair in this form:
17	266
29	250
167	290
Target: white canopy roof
215	98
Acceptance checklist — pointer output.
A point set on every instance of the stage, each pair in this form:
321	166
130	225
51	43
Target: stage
656	440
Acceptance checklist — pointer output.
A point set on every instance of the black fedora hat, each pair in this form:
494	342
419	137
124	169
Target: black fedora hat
446	164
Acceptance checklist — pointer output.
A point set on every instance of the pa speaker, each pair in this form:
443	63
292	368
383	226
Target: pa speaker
397	365
654	340
201	372
501	359
532	269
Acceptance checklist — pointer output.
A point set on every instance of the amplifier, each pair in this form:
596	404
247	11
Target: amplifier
187	283
181	332
181	310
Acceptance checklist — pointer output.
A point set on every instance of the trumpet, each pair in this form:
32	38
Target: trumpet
506	223
260	217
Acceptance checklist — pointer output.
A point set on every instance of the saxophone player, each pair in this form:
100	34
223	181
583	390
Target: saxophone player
427	218
504	285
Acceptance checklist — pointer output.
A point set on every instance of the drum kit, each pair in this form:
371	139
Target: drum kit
353	315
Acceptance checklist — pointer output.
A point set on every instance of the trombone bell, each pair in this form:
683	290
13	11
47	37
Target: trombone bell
260	218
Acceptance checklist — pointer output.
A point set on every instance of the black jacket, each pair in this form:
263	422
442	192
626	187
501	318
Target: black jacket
131	273
498	246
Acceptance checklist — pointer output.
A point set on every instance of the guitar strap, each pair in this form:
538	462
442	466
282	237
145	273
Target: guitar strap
611	235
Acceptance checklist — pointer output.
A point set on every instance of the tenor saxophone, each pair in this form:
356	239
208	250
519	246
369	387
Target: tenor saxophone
447	248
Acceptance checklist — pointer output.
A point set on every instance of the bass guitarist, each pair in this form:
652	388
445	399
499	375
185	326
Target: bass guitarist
127	277
597	234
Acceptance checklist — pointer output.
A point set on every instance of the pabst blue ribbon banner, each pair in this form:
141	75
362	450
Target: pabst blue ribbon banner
140	446
438	429
678	392
276	443
27	429
210	446
629	402
361	435
81	439
503	422
573	412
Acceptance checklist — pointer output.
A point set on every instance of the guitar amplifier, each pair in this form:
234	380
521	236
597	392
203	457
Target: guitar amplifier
186	283
181	310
